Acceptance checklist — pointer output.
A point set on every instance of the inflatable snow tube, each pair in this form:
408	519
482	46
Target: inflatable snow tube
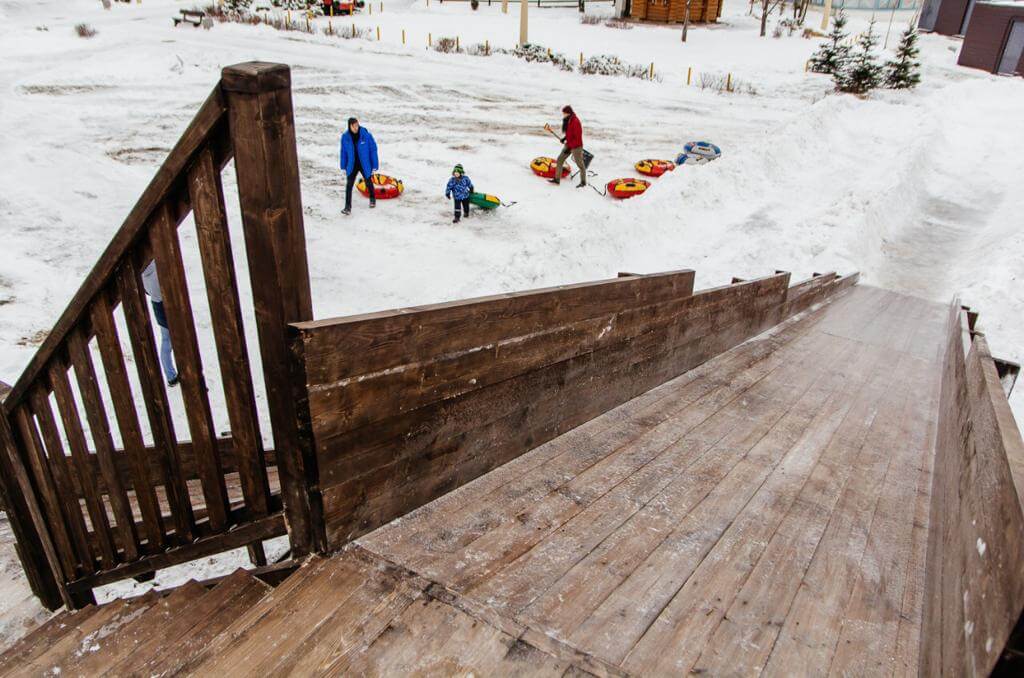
697	152
545	167
627	188
654	168
484	201
384	187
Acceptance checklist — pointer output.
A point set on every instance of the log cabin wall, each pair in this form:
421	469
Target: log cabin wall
974	594
674	11
407	405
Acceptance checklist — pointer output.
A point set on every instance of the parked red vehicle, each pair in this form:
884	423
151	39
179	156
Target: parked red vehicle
341	7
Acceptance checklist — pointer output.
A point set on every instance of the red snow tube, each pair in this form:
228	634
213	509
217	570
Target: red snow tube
545	167
627	188
384	187
654	168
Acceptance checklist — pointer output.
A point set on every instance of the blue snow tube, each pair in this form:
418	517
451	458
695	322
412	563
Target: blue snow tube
697	152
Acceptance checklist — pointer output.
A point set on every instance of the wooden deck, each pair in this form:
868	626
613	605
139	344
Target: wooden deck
766	511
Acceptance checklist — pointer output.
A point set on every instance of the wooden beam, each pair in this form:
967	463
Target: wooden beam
262	128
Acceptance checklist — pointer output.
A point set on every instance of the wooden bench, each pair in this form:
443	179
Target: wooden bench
190	16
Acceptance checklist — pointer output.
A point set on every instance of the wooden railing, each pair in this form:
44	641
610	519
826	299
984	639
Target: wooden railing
86	513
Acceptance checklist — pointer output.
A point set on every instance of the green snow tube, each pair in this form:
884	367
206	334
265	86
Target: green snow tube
485	201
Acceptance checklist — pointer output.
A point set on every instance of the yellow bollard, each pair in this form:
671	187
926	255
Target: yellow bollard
689	74
289	18
430	39
403	36
652	71
581	58
378	33
332	11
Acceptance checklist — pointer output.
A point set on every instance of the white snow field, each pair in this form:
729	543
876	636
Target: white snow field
920	191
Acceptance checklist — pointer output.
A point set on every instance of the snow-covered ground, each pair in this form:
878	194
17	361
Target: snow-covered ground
920	190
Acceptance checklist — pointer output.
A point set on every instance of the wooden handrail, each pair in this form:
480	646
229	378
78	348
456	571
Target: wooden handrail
167	178
248	117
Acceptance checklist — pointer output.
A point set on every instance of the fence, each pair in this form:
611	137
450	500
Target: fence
100	514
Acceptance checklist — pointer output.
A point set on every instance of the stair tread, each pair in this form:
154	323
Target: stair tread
106	652
190	634
43	636
107	620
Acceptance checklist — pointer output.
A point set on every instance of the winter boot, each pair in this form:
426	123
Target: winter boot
346	211
373	203
554	181
458	217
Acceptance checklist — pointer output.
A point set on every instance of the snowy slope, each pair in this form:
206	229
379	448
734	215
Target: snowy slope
919	190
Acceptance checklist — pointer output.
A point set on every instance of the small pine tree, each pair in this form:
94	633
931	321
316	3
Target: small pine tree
832	54
862	73
904	71
239	6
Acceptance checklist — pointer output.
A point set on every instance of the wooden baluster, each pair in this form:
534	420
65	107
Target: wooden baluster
207	196
140	332
174	286
58	373
127	418
58	463
47	492
263	137
96	414
34	544
151	376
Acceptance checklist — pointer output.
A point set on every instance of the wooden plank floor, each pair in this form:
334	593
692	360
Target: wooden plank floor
766	511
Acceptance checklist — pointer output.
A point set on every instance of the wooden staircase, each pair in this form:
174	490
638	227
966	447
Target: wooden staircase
147	635
351	613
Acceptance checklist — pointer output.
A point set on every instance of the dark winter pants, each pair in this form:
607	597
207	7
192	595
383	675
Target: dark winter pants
352	182
577	155
463	204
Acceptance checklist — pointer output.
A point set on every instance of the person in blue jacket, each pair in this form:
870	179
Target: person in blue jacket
358	155
459	187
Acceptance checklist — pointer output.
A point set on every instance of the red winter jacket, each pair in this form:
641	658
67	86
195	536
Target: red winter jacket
574	133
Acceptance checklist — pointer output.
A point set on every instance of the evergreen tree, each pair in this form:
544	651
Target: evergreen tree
832	54
904	71
862	72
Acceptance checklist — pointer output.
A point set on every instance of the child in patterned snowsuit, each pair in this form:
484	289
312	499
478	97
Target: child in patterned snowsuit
459	187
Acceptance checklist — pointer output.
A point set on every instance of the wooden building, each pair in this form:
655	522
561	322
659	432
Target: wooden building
674	11
994	41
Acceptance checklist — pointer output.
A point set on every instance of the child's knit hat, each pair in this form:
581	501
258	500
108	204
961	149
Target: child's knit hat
458	168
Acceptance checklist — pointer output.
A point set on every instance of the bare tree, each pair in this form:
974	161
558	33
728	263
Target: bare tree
686	20
767	7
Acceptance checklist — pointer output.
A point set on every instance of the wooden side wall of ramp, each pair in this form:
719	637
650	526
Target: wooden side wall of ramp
407	405
975	593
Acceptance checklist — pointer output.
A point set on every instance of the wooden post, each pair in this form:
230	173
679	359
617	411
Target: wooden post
581	59
456	43
378	33
430	40
403	36
524	20
826	12
651	73
504	6
32	542
262	128
728	82
689	74
370	7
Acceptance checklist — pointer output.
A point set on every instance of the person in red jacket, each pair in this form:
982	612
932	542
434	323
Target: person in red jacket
572	140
